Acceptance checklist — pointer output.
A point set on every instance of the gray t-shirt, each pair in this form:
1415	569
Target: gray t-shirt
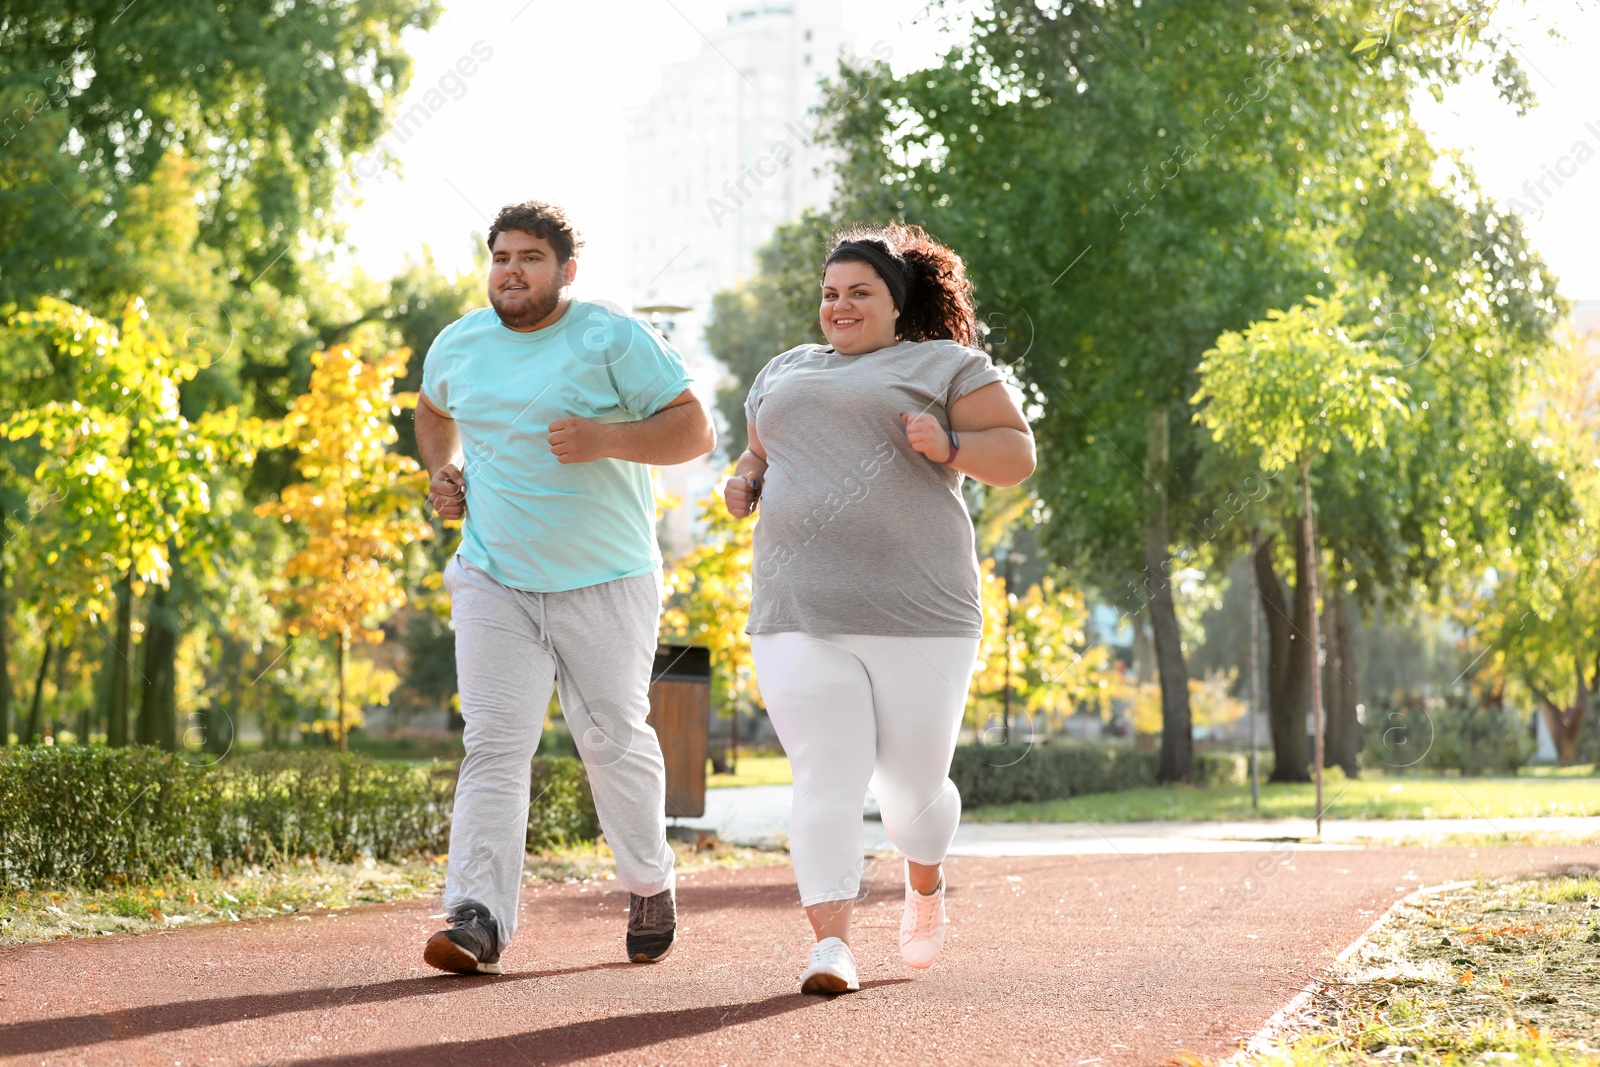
857	532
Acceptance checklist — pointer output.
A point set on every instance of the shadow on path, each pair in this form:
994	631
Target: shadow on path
586	1040
50	1035
782	898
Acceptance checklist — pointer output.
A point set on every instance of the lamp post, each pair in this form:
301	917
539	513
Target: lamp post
1009	557
1255	676
664	317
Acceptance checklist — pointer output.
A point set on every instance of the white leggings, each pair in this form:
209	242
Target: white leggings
853	710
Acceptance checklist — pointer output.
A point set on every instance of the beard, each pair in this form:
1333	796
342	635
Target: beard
527	308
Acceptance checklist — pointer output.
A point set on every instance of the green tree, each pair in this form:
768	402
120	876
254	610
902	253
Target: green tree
270	101
417	305
1284	391
1536	619
759	319
185	153
131	476
1128	182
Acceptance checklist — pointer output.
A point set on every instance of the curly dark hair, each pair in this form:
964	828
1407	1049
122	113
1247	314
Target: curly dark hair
539	219
939	303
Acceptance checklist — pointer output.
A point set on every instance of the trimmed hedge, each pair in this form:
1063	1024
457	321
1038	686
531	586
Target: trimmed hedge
562	812
1019	775
88	815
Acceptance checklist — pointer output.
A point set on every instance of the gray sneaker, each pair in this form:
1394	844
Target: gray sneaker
652	926
470	946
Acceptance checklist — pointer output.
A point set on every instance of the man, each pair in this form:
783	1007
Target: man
536	419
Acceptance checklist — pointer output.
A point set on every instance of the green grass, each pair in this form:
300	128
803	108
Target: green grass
1369	797
1483	1042
1578	770
303	888
1571	890
1487	973
753	770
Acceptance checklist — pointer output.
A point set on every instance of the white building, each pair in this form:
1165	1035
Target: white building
722	154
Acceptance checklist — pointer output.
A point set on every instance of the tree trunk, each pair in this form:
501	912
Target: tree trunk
160	646
1285	693
102	687
38	689
1255	683
344	734
1313	644
167	699
1339	679
5	652
117	692
1564	725
58	717
86	710
1275	613
1177	733
223	712
1144	653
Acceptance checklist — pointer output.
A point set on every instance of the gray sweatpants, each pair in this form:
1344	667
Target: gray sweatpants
597	644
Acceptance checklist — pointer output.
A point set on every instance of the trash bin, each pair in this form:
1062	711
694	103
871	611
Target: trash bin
680	712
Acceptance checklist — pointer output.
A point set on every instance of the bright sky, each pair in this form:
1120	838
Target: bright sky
1557	141
544	115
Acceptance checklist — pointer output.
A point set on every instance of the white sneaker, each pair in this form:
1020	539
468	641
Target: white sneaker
922	925
831	968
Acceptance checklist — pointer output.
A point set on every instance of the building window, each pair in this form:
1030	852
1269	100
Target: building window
808	35
808	59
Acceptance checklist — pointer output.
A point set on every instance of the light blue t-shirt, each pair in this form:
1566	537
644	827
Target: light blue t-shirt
533	522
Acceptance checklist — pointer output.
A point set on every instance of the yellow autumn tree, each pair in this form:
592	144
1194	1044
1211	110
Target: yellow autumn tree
708	601
356	510
1052	667
1211	699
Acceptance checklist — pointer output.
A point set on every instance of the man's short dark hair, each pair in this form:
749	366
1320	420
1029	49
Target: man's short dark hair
539	219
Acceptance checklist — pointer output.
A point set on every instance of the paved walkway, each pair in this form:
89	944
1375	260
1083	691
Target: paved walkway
759	815
1052	959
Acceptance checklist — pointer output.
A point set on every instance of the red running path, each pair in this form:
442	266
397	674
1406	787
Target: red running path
1058	960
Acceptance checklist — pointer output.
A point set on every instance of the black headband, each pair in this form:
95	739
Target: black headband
892	270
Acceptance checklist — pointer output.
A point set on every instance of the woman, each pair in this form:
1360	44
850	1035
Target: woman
865	616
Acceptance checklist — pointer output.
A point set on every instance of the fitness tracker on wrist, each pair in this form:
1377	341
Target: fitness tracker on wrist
955	446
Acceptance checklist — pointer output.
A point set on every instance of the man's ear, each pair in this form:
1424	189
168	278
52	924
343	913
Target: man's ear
569	270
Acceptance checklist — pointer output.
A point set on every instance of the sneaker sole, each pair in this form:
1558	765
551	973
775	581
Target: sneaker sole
446	955
642	957
826	983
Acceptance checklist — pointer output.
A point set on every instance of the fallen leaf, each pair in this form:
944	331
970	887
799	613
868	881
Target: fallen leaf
1466	977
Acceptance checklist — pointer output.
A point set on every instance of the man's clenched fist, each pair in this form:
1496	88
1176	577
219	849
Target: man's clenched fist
577	440
448	492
